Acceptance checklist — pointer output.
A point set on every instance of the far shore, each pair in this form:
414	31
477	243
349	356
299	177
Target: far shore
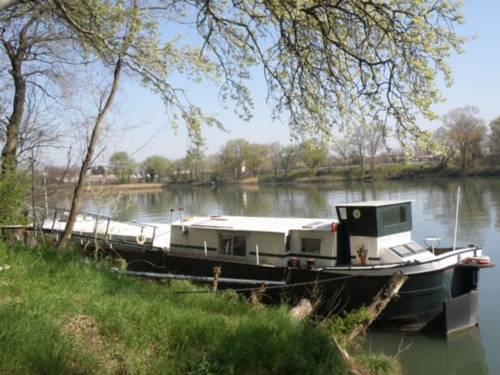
386	172
132	186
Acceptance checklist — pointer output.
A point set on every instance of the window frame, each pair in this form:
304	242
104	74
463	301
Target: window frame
230	239
302	248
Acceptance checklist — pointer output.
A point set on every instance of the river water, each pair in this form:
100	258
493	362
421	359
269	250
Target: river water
471	352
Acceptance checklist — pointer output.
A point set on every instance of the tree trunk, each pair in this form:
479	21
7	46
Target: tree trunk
372	166
9	151
362	165
75	203
380	301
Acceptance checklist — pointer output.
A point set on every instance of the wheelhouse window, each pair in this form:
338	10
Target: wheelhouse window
394	215
394	219
232	245
311	245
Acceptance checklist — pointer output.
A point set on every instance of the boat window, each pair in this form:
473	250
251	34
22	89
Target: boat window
311	245
225	245
342	213
239	246
233	245
394	215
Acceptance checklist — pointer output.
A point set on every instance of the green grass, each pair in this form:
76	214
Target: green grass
60	313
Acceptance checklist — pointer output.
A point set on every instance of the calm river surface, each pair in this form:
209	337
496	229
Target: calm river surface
472	352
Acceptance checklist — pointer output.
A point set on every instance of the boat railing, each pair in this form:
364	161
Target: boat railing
97	226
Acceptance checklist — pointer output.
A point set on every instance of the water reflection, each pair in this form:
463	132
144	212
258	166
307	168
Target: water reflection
435	202
460	354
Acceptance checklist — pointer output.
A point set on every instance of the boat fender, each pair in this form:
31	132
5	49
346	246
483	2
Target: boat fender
140	239
480	260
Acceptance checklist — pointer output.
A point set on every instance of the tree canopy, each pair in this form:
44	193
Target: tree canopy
122	166
156	167
320	59
466	131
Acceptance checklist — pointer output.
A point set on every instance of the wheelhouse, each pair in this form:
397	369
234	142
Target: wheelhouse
374	232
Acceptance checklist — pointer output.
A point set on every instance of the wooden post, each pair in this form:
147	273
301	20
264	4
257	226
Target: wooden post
217	271
302	310
256	295
353	367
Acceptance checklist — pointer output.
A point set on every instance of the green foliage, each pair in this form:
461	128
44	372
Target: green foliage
13	194
341	326
122	166
379	364
233	156
156	168
62	314
494	139
324	60
313	153
194	161
257	157
465	131
376	364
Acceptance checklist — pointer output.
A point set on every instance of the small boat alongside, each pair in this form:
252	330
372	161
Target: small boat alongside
341	262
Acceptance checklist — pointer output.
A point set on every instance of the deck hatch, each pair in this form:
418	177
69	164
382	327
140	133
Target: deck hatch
409	249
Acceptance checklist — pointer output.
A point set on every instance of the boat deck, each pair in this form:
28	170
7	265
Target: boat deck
155	235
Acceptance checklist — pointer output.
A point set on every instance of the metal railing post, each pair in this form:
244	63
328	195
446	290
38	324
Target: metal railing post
153	238
54	220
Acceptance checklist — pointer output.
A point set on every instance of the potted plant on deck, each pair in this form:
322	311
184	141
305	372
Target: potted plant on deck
363	255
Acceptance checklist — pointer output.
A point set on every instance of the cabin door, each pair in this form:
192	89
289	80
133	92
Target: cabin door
343	239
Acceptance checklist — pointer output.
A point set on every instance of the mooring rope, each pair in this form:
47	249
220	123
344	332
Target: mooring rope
247	289
250	289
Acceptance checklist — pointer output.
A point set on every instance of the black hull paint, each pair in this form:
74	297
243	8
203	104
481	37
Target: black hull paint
419	307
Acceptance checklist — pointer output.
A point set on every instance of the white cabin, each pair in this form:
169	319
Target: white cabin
273	240
365	233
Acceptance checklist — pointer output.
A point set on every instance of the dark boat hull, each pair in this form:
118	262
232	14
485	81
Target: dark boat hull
427	301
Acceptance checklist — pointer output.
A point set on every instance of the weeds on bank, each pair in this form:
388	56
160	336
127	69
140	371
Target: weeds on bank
60	313
341	326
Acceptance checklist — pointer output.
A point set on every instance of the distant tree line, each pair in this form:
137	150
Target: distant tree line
463	141
466	139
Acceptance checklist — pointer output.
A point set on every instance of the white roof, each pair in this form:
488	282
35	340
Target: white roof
373	203
257	224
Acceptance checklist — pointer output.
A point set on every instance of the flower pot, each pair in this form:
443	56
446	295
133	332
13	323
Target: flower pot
363	259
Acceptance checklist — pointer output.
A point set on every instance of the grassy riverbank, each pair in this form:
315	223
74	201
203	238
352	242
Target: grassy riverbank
60	313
